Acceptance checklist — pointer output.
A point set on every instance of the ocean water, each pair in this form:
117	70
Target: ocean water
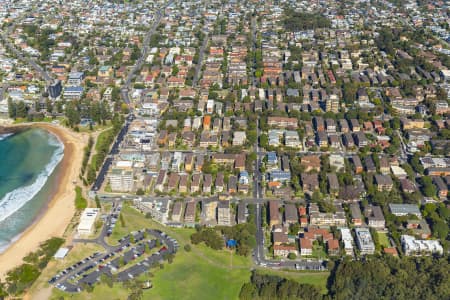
29	164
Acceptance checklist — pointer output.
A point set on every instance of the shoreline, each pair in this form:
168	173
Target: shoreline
56	214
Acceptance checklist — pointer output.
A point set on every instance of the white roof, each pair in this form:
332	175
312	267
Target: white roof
347	238
61	253
87	219
124	164
446	73
398	171
410	243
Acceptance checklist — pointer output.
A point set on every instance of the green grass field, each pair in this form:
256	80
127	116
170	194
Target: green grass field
192	277
202	273
319	279
384	240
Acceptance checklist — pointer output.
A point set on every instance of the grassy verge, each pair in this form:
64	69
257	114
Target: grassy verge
80	201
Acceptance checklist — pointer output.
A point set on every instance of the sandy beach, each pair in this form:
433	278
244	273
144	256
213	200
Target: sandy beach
60	209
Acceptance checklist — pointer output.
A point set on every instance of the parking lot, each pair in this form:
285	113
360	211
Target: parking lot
89	270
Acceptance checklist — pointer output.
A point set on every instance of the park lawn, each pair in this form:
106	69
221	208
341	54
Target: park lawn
133	221
202	273
384	240
318	279
101	292
96	127
191	277
102	138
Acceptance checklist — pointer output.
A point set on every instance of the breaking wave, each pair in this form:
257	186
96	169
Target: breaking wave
5	135
17	198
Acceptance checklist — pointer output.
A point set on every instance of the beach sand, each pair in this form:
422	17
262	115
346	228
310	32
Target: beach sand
53	221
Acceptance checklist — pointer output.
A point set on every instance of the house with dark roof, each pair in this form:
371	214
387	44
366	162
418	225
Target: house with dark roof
310	182
383	182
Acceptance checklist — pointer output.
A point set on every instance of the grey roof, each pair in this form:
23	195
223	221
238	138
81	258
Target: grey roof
404	209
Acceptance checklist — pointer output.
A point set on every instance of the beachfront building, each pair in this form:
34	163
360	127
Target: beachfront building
87	221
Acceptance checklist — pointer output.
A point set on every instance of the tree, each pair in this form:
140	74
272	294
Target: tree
12	109
292	256
372	278
108	280
416	164
21	278
429	189
72	114
175	70
251	136
274	287
395	123
91	174
135	288
21	110
264	140
187	248
122	221
294	229
440	229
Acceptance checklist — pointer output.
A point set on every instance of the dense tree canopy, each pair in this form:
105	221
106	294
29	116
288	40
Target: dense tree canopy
296	21
274	287
391	278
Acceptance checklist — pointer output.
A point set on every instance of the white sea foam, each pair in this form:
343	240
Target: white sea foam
5	135
17	198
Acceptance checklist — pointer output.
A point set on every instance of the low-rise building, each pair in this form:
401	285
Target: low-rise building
274	213
241	213
306	247
223	213
356	214
87	221
157	208
121	179
347	240
404	209
383	182
364	241
177	211
189	213
290	214
375	217
318	218
412	246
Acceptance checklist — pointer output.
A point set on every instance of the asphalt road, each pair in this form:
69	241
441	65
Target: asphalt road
199	65
114	151
144	52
